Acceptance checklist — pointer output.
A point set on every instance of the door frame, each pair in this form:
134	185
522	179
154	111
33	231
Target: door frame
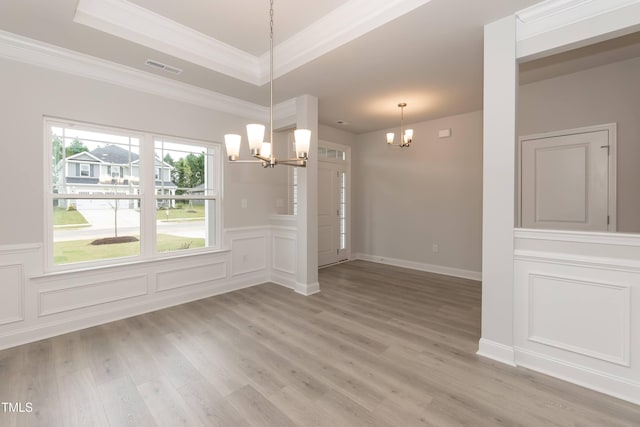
347	162
612	195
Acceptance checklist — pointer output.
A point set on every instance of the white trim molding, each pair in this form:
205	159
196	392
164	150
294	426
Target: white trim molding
496	351
413	265
307	289
555	26
603	382
590	237
38	306
575	295
129	21
40	54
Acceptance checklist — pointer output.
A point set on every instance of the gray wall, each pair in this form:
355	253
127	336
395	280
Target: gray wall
607	94
337	136
406	200
29	93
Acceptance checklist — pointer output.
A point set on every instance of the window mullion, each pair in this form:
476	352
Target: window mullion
148	201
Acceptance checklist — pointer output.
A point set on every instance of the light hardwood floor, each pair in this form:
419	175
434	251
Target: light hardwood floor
378	346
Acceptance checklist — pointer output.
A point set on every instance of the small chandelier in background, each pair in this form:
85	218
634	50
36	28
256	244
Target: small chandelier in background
261	149
406	135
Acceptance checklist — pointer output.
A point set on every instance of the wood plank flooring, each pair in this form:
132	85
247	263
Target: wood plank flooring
379	346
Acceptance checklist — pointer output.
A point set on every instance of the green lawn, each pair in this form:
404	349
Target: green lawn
64	217
82	250
185	212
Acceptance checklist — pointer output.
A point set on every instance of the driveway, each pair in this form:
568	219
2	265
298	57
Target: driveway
100	214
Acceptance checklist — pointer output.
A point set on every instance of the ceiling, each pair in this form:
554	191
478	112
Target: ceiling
425	53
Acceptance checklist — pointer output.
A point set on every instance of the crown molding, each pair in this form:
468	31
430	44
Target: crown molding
551	15
340	26
131	22
126	20
33	52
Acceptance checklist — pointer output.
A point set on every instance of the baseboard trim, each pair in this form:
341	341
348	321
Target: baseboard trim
40	331
283	280
413	265
496	351
615	386
307	289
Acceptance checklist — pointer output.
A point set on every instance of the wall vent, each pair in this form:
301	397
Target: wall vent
160	66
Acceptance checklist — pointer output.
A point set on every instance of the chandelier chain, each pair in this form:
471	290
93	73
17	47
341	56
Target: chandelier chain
271	77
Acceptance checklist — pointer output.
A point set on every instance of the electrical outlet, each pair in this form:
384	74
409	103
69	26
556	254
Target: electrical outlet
243	203
435	248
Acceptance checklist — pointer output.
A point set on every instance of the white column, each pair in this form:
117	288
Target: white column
498	213
307	218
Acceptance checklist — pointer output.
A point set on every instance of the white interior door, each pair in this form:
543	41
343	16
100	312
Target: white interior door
331	213
565	181
327	215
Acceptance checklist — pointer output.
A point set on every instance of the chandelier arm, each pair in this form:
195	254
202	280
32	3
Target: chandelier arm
247	161
292	162
261	158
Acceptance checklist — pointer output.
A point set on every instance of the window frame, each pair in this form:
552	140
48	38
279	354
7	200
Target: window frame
145	195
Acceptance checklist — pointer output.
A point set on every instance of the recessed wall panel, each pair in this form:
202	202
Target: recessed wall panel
12	291
63	299
182	277
586	317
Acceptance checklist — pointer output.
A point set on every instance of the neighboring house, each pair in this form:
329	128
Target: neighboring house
108	170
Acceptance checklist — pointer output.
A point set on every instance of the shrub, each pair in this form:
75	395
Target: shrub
71	208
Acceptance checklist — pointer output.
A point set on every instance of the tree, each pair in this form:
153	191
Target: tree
188	172
169	160
75	147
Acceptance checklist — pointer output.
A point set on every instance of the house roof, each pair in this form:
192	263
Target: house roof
84	156
115	155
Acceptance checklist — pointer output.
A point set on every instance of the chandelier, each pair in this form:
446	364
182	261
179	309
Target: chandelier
406	135
260	149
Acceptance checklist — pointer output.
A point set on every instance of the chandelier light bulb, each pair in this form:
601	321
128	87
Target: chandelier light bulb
232	142
390	137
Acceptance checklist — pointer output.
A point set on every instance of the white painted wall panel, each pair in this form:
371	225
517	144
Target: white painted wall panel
12	291
574	308
248	255
191	276
63	298
586	317
284	254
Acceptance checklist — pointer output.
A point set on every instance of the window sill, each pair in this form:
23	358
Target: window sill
133	263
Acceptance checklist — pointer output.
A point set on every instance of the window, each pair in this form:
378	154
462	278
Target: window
185	195
85	169
145	196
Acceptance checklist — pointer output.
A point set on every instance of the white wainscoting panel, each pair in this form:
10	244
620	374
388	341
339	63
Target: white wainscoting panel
589	318
284	254
60	297
574	312
36	305
190	276
12	289
248	251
